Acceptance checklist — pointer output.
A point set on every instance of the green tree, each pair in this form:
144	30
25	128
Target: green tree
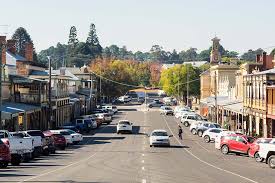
204	55
272	53
191	54
73	41
174	57
250	55
22	37
93	42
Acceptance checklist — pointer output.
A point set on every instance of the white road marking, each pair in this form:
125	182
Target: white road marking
72	164
142	154
143	181
209	164
142	161
143	168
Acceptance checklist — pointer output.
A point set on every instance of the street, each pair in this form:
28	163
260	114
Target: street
105	156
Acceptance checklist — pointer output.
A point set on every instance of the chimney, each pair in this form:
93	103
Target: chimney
11	46
258	58
3	41
264	60
29	52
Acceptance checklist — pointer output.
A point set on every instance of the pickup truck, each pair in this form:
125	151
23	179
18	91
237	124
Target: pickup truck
20	147
267	152
40	144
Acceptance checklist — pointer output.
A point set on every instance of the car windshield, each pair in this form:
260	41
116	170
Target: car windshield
64	133
36	133
124	123
159	133
70	131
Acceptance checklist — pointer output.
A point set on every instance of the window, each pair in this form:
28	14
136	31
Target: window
159	134
233	138
206	125
240	139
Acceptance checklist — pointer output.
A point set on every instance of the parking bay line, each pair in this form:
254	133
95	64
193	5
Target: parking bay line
72	164
209	164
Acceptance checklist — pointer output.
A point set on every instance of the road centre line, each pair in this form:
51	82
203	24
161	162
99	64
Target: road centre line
209	164
72	164
143	181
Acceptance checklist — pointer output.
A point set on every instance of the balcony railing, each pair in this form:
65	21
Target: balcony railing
31	98
60	93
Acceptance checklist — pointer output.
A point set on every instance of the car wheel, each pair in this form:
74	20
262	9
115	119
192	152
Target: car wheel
16	160
200	133
257	157
150	145
117	132
4	165
46	152
63	147
193	131
186	124
206	139
225	149
271	161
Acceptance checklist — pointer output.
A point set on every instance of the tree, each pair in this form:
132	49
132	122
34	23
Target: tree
73	41
173	80
174	57
250	55
191	54
272	53
204	55
93	42
22	37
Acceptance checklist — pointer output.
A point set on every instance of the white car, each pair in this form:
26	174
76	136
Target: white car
181	113
159	138
67	135
188	119
267	153
194	125
124	126
219	136
166	110
211	134
76	137
111	107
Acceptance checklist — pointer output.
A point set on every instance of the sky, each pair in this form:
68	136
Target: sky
139	24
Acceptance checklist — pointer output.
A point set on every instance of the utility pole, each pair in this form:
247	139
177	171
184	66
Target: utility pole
187	87
50	93
91	91
1	48
179	85
216	101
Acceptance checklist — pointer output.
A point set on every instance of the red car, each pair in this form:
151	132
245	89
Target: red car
236	143
5	155
254	148
59	140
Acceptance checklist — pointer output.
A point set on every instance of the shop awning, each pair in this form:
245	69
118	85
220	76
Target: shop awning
11	109
237	107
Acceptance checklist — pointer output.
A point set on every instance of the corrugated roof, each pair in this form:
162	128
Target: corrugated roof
39	73
270	71
16	56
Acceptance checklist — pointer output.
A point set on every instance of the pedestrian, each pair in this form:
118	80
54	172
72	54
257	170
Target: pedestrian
180	132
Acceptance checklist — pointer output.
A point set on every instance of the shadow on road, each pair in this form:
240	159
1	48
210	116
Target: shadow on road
59	181
172	146
100	140
127	109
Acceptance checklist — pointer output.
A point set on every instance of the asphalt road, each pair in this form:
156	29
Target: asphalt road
107	157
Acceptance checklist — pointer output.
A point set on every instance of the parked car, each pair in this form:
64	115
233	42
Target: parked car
166	110
211	134
40	144
59	140
220	136
110	107
190	118
84	124
124	126
183	112
103	118
159	138
155	104
236	143
65	134
19	147
205	126
74	128
194	125
50	143
254	148
124	99
28	154
76	137
5	155
267	153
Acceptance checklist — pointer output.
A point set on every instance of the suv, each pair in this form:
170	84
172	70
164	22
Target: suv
267	152
236	143
190	118
211	134
124	126
205	126
166	110
156	103
255	146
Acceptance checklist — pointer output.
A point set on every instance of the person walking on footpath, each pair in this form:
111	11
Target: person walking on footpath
180	132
